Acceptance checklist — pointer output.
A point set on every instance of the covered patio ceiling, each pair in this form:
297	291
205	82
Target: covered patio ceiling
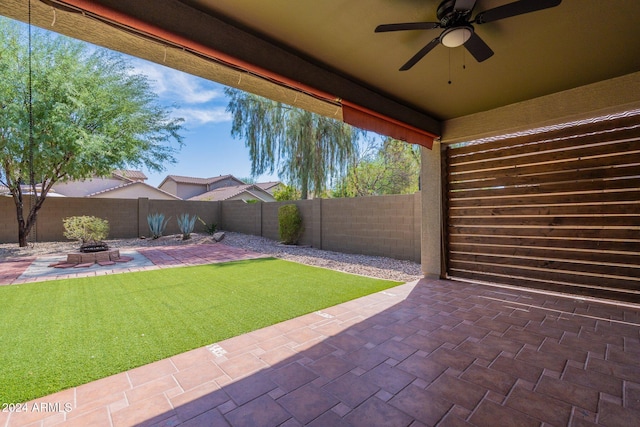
325	55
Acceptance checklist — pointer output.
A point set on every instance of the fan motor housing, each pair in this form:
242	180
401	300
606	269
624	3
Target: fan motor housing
449	17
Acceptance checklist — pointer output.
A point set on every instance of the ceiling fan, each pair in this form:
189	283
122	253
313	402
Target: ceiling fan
455	19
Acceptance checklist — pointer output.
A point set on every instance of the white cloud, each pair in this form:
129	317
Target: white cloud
176	85
203	116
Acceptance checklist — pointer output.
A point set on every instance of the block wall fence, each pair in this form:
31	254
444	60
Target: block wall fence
378	225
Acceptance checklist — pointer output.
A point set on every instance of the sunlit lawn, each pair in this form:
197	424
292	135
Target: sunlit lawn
63	333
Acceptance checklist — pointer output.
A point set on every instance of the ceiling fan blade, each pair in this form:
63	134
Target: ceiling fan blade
514	9
418	56
478	48
464	5
407	26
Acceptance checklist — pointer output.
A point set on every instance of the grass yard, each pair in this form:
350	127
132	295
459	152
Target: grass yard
63	333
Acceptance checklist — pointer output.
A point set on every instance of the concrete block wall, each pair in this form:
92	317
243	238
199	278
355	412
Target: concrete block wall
380	225
209	212
127	217
8	222
384	226
241	217
122	215
270	225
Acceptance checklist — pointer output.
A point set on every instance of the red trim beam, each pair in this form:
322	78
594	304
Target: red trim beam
364	118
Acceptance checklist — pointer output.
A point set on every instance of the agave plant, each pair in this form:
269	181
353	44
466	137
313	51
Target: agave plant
186	223
157	224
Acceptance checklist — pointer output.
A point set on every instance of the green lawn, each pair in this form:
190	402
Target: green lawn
59	334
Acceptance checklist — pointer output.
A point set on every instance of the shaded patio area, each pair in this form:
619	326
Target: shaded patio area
430	352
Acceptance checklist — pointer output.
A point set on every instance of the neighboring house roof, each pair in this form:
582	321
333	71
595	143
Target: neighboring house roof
120	184
268	186
194	180
132	175
26	191
226	193
146	187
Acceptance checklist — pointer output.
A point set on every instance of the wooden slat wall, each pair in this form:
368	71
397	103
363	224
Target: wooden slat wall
558	210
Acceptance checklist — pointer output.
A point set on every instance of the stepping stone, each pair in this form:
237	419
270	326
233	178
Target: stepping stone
105	263
65	265
124	259
55	264
84	265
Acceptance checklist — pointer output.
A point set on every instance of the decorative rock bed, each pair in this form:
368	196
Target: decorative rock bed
103	258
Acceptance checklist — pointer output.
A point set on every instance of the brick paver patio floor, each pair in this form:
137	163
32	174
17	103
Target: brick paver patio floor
424	353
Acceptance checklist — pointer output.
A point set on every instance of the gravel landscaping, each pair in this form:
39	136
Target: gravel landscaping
374	266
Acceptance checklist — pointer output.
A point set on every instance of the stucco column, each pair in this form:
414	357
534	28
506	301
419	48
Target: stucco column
431	211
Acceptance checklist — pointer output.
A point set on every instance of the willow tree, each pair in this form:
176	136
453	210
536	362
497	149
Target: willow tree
69	112
306	149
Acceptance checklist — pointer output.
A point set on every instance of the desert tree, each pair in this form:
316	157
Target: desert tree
382	167
71	111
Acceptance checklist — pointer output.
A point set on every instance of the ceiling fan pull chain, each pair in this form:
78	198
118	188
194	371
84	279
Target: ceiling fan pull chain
449	66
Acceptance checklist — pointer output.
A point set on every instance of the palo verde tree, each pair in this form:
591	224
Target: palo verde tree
69	112
308	149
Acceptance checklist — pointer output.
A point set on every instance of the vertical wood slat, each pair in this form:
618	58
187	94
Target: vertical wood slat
571	196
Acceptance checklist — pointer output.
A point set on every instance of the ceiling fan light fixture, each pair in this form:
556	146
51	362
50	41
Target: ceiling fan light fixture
454	37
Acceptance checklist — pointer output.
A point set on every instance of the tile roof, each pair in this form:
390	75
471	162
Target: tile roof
26	190
267	185
134	175
225	193
195	180
127	184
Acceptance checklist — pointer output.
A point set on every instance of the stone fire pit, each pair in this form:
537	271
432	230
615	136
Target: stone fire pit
78	260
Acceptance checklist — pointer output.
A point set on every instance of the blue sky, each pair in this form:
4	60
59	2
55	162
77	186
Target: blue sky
209	150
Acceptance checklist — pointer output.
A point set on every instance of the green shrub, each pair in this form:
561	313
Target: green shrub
186	224
209	228
85	228
290	224
286	192
157	224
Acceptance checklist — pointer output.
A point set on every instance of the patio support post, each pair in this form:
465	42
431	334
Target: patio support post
431	188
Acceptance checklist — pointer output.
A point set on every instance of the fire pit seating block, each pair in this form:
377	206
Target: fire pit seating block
92	257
